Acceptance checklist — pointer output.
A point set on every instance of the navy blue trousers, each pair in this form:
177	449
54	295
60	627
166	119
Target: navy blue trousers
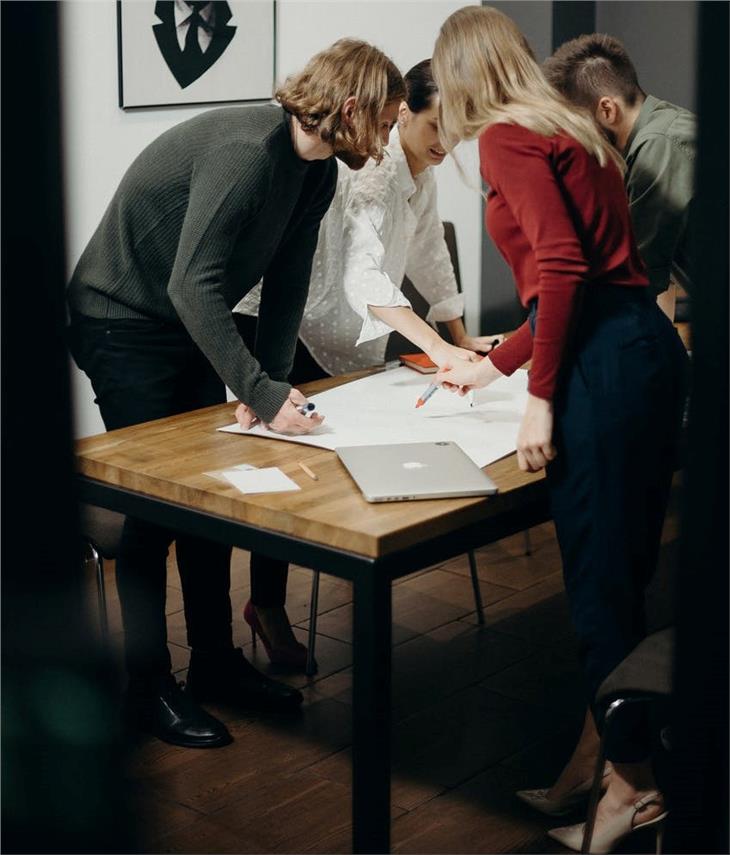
617	420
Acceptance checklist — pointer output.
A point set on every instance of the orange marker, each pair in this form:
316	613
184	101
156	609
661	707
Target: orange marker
309	472
432	387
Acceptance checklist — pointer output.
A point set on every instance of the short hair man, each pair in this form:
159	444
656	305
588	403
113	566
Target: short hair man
205	211
657	140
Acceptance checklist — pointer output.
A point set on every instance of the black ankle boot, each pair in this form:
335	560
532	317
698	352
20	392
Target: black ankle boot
226	677
169	712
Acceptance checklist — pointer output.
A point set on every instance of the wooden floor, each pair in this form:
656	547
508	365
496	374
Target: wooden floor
479	712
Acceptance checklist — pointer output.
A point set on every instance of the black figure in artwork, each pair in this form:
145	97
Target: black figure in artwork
192	36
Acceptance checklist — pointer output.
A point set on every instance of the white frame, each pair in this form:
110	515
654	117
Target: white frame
243	72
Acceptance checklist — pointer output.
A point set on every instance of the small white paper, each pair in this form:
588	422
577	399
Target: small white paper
220	474
270	480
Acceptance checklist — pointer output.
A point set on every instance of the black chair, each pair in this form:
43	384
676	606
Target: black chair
644	677
397	343
101	532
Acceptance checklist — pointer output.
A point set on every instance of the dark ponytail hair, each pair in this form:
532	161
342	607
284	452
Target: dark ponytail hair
420	86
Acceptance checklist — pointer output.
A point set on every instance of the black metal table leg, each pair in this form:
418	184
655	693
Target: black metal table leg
371	712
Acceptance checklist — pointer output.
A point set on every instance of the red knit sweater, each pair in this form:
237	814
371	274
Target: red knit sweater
561	221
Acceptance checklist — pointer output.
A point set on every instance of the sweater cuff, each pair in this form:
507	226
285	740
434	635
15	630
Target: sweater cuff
514	352
502	361
540	390
268	397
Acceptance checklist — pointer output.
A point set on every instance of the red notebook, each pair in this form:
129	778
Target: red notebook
419	362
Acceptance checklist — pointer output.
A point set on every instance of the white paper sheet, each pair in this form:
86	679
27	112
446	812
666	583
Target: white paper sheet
270	480
220	474
381	409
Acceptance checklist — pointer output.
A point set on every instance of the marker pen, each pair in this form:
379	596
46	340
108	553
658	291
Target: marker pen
432	387
307	409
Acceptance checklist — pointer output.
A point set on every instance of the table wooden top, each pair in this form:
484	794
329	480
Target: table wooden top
167	459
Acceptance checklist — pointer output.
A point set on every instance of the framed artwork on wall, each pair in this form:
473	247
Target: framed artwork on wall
181	52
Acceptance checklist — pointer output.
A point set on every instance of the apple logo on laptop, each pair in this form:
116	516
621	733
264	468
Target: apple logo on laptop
414	464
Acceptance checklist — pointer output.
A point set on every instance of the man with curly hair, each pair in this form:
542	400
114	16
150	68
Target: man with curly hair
208	209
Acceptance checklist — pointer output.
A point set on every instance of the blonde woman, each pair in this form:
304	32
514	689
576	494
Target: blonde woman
383	223
606	383
201	215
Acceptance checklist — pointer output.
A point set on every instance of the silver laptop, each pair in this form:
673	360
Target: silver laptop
414	470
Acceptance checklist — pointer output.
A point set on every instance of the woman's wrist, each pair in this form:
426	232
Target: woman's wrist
488	371
430	341
536	403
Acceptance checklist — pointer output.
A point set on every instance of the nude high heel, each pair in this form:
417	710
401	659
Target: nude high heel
538	799
613	832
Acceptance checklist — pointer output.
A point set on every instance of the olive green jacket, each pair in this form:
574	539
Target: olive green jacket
660	155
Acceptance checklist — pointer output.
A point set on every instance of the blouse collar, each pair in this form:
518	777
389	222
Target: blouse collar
408	184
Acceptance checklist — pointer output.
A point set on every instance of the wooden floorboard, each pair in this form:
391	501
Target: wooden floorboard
478	713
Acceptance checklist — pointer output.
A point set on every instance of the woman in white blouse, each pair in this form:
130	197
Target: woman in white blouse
382	225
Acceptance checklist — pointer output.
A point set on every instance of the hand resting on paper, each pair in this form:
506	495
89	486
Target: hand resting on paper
462	377
246	417
479	343
288	420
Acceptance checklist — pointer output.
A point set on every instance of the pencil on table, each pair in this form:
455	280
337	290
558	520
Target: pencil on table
308	471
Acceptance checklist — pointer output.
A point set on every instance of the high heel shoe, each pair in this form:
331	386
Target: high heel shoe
538	799
292	657
615	830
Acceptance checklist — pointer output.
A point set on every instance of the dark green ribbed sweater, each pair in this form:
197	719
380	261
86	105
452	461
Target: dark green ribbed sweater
204	212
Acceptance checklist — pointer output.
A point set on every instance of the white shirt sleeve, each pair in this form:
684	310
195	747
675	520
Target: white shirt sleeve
365	281
429	265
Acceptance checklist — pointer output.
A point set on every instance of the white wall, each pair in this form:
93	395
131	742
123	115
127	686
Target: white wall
101	140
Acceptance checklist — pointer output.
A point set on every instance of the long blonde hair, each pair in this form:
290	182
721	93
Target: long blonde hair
349	68
486	73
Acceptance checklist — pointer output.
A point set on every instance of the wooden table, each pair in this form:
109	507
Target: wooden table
155	471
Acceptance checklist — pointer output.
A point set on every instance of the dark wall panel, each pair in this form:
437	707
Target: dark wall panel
661	40
572	18
699	816
501	309
63	789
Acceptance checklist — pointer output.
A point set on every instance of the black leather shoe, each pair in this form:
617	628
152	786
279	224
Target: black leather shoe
228	678
172	715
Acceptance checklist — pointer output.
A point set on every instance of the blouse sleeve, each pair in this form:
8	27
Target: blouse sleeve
429	265
365	281
521	171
